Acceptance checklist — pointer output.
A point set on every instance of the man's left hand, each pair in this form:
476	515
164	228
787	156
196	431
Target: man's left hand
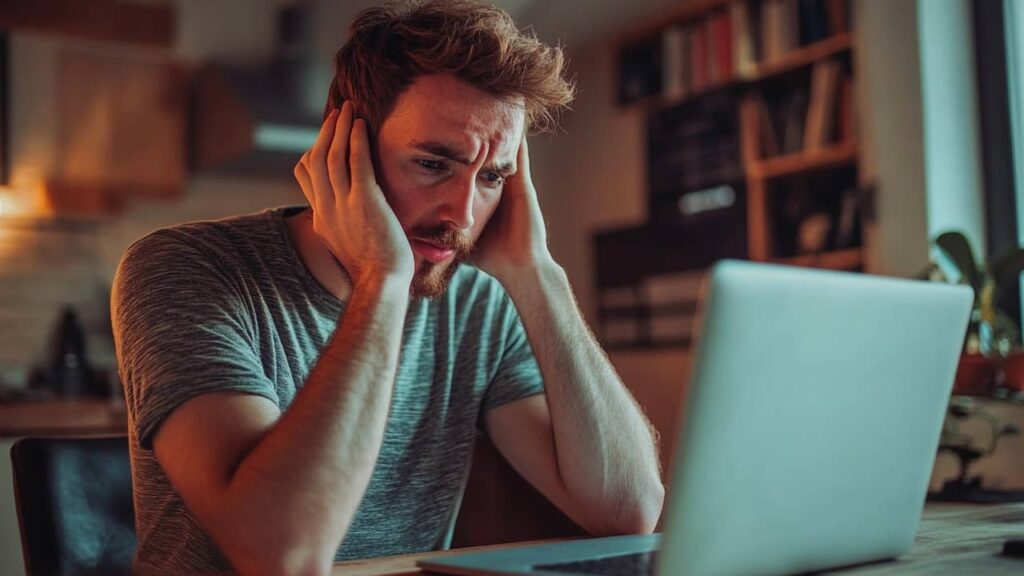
515	239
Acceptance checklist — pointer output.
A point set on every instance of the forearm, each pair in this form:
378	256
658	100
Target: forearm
303	482
605	447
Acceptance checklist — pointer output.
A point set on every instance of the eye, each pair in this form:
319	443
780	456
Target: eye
431	165
493	179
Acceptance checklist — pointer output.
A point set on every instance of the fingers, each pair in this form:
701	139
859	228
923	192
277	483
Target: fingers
524	158
305	182
360	160
337	157
316	161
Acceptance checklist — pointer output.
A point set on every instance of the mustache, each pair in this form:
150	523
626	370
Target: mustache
445	236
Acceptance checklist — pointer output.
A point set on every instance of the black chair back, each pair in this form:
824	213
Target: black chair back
74	501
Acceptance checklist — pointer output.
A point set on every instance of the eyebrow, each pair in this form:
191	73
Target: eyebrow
450	153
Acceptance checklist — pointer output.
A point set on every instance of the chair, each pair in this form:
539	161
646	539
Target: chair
499	506
74	502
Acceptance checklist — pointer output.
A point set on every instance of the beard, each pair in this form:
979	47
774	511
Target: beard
431	280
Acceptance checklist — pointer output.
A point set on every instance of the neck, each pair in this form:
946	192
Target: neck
320	262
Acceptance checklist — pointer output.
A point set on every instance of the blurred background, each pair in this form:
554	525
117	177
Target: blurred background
842	134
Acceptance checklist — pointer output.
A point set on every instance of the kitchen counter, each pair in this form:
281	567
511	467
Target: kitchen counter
62	417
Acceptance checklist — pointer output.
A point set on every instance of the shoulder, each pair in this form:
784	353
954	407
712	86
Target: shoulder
211	245
195	262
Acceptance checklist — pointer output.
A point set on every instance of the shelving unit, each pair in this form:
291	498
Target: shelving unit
789	159
835	156
848	259
805	56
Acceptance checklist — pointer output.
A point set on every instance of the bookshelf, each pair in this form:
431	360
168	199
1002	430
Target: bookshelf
751	136
848	259
835	156
804	56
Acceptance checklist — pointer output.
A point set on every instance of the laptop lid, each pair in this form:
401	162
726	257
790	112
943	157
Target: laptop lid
813	419
809	433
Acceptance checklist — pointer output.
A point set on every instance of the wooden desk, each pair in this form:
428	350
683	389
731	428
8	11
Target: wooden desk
953	539
62	418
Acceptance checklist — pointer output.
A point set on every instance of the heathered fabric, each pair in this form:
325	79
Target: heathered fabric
228	306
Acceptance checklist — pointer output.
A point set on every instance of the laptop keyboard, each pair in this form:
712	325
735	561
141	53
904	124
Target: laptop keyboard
639	564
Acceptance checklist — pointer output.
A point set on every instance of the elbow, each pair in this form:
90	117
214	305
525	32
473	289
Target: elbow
640	513
285	561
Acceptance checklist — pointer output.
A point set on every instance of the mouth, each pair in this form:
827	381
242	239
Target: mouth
431	252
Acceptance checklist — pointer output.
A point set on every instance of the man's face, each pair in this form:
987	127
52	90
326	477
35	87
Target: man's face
442	157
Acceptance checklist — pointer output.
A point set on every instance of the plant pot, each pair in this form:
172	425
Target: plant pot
1013	372
975	375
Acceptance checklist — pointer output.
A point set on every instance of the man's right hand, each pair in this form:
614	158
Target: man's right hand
350	214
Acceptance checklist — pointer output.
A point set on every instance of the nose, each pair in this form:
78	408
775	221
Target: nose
457	202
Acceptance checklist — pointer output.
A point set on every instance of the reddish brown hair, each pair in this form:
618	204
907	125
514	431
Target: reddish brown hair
389	46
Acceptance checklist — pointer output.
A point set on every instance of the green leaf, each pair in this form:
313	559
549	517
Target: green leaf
957	248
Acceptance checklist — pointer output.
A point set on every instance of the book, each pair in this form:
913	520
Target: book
821	114
813	22
722	24
813	126
787	23
744	57
767	138
713	47
845	111
794	116
754	27
686	61
837	13
769	44
845	231
699	58
672	52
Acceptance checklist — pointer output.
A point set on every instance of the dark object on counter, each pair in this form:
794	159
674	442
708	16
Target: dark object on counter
1014	547
68	372
69	368
74	501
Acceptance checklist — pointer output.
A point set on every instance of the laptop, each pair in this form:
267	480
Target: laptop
807	438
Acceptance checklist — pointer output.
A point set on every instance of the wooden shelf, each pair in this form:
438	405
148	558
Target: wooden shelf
837	155
804	56
793	60
780	91
849	259
679	13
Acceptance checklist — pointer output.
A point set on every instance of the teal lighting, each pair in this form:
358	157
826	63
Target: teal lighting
284	138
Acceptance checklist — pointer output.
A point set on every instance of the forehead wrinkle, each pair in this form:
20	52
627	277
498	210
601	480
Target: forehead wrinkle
465	141
456	115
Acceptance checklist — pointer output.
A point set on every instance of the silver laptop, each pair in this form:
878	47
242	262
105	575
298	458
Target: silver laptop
807	438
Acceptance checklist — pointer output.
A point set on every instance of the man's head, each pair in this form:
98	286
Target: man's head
448	89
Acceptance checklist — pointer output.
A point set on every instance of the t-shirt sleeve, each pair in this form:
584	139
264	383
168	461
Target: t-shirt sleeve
180	330
518	375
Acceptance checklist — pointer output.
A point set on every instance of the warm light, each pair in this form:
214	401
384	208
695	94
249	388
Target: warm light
25	198
12	201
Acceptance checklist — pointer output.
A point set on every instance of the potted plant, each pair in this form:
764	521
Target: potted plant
993	343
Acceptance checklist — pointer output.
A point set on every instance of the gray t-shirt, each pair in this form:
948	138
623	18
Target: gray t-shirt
228	306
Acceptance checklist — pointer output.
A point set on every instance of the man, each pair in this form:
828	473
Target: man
305	385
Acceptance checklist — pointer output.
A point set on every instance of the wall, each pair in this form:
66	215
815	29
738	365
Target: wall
952	125
45	264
